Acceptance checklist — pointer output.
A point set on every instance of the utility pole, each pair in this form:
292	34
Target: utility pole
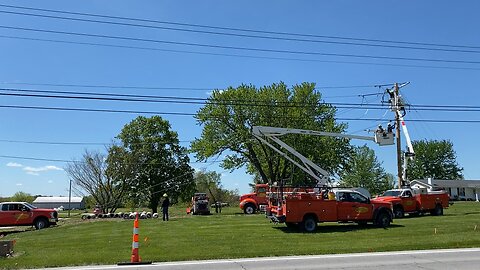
397	134
70	198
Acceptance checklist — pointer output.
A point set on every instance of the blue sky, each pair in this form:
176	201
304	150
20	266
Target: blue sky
39	62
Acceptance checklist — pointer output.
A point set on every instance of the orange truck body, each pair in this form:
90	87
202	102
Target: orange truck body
311	207
407	201
252	202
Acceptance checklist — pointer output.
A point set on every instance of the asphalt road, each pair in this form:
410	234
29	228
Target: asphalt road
405	260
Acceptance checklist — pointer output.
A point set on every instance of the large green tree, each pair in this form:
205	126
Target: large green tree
229	115
434	159
364	170
157	164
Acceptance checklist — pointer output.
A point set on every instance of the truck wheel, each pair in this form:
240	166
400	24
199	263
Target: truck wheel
438	211
309	224
398	212
41	223
249	209
383	220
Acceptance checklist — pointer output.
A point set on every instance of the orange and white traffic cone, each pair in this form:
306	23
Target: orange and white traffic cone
135	259
135	256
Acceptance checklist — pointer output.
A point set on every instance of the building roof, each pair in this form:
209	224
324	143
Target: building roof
452	183
57	200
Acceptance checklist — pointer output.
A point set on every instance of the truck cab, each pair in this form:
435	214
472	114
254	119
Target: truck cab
255	201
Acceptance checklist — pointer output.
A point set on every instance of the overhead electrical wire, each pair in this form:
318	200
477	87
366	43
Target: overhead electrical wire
239	55
242	35
181	88
78	143
232	102
77	161
192	114
250	49
238	29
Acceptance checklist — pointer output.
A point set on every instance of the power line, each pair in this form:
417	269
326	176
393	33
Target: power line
238	55
182	88
77	161
239	29
241	35
192	114
239	48
230	102
77	143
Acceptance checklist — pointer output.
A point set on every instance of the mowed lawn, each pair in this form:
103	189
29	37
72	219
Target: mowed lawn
233	235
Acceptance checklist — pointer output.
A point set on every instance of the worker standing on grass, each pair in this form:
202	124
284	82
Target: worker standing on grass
165	205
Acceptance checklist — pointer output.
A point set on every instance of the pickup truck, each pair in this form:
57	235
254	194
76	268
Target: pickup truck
415	201
307	209
25	214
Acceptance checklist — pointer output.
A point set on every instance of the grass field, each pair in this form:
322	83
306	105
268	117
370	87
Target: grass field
232	235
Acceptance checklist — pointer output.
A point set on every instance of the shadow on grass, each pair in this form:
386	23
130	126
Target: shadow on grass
337	228
5	232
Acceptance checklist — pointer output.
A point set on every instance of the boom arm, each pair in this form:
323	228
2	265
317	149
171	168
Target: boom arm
381	137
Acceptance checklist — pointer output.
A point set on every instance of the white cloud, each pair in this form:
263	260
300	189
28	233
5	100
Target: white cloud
33	173
42	169
19	184
13	164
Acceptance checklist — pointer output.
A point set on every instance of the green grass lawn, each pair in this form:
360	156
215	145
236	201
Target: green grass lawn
232	235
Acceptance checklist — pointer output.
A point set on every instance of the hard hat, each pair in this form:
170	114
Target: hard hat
165	195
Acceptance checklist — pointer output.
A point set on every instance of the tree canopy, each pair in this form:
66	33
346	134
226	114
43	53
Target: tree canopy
434	159
229	115
364	170
154	161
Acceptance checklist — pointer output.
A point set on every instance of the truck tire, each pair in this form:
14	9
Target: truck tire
309	224
41	223
398	211
249	209
382	220
438	211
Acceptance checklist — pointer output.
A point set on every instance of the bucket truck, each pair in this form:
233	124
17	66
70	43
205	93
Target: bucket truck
321	204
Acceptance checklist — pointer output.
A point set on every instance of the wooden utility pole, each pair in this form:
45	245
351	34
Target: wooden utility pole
397	134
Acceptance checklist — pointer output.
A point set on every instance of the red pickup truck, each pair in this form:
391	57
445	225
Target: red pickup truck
415	201
25	214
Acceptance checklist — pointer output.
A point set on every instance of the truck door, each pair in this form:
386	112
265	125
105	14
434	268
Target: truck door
353	206
409	202
5	216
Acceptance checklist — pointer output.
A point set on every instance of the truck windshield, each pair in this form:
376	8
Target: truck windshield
392	193
31	206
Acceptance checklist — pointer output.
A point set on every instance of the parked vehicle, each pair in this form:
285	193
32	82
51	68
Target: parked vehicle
255	201
25	214
416	201
309	206
200	205
306	209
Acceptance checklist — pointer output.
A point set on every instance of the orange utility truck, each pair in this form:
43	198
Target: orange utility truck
255	201
415	201
310	206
